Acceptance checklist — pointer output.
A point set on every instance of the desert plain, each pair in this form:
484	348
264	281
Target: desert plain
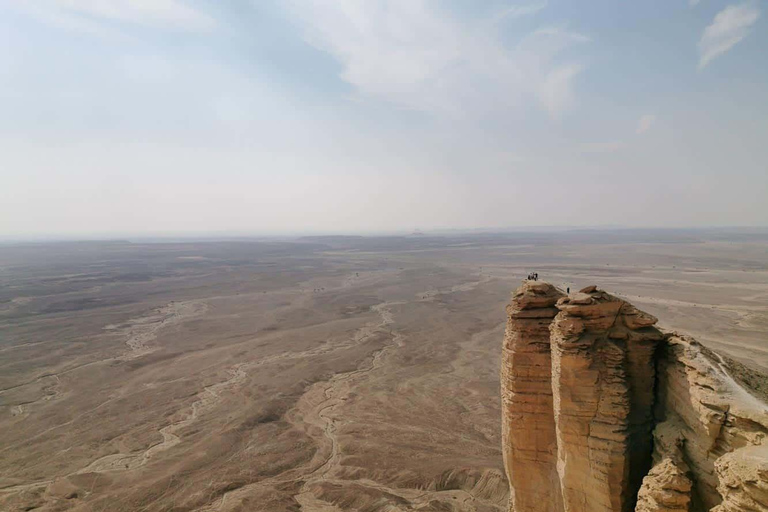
312	373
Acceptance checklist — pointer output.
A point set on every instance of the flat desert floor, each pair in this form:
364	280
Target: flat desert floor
312	374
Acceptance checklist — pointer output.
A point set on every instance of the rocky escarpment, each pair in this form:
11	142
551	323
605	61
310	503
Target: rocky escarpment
602	411
528	429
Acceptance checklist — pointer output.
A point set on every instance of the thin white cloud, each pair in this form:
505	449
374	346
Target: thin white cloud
561	31
520	10
414	54
645	122
730	26
50	15
601	147
556	92
97	16
693	3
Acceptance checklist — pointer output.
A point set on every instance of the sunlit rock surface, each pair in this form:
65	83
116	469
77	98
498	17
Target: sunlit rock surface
528	429
602	411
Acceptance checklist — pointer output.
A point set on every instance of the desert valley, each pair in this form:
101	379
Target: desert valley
383	256
314	373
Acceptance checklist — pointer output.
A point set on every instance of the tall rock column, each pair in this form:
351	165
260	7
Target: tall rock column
603	376
528	424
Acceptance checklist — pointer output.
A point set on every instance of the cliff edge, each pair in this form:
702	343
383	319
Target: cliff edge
602	411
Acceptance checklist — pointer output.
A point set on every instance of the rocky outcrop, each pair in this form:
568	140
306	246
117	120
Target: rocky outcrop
717	420
667	487
528	432
602	379
743	480
602	411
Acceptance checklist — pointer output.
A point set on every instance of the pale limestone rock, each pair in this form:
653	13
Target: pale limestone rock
717	421
743	480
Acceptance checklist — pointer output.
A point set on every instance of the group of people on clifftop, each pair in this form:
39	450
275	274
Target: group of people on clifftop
533	276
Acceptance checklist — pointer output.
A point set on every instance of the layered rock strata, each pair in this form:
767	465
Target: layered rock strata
603	376
602	411
528	432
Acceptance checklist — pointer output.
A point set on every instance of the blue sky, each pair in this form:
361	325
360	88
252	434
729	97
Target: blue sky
182	116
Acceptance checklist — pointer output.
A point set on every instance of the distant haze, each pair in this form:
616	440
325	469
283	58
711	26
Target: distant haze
321	116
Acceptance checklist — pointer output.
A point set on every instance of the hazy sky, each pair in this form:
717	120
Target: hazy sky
184	116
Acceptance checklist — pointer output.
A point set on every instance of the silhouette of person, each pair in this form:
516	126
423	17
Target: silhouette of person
568	290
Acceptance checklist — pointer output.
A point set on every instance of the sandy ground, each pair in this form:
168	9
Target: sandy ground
319	374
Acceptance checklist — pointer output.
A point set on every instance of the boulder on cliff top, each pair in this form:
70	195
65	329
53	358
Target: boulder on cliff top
535	294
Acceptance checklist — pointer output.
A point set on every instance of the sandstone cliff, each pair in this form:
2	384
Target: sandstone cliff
528	429
602	411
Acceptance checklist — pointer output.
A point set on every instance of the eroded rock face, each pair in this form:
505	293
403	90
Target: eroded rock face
743	480
528	427
605	412
717	420
667	486
603	376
